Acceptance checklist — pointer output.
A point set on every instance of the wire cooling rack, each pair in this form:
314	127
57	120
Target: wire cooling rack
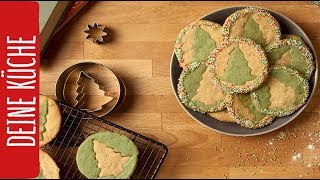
77	125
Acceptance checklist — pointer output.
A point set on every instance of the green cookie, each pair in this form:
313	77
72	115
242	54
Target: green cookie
196	41
283	92
291	53
196	90
254	23
238	65
107	155
242	109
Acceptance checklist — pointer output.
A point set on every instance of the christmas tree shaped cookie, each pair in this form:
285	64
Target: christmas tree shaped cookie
292	53
196	41
50	119
282	93
254	23
91	96
238	65
242	109
196	90
107	155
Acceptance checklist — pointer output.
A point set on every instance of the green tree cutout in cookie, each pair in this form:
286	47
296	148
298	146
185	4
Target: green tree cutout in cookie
238	72
252	31
203	45
43	118
246	100
41	175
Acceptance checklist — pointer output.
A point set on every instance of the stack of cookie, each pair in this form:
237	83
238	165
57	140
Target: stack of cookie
244	71
50	122
105	155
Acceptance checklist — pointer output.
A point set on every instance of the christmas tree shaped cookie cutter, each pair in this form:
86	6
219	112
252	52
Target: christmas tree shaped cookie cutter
103	80
81	97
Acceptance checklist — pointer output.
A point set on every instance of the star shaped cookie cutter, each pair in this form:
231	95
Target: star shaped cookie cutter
96	33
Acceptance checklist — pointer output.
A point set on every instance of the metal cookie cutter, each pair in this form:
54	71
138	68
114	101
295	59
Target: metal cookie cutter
66	86
80	98
96	33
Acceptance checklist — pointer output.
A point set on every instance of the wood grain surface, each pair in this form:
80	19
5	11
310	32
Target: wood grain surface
143	35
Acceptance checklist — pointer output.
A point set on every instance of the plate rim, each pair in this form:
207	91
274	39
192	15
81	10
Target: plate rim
315	73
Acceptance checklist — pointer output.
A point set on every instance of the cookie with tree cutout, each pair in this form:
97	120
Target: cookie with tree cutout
292	53
242	109
48	168
107	155
196	41
254	23
223	116
50	119
282	93
292	36
238	65
196	90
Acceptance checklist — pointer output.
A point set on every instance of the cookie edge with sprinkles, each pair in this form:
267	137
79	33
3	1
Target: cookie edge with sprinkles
243	121
178	42
234	89
302	48
225	30
183	95
288	111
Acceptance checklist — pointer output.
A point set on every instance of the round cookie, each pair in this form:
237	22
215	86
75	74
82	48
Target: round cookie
48	168
254	23
283	92
292	53
107	155
244	112
50	119
196	41
223	115
238	65
196	90
292	36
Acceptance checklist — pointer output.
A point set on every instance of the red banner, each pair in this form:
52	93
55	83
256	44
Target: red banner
19	89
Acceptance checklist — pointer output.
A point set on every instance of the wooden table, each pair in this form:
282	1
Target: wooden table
143	39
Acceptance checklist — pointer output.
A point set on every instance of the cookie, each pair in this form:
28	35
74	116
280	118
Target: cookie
50	119
244	112
196	90
292	53
48	168
196	41
238	65
223	115
292	36
107	155
284	92
254	23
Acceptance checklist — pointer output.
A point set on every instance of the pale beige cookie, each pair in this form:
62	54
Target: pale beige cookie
283	93
291	53
48	168
223	115
196	90
242	109
196	41
254	23
50	119
292	36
